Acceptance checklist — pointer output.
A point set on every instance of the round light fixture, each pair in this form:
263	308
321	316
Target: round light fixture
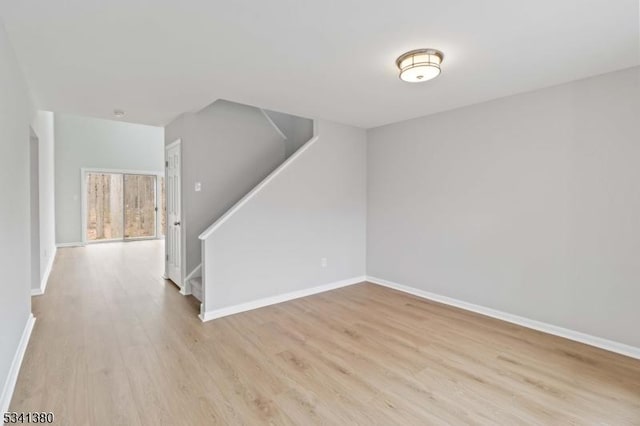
118	113
420	65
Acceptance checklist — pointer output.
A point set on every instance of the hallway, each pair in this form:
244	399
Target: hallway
106	322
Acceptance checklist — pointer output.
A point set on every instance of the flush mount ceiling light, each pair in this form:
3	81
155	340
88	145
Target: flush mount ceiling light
118	113
419	65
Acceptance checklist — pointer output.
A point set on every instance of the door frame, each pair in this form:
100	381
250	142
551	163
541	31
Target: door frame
183	234
83	203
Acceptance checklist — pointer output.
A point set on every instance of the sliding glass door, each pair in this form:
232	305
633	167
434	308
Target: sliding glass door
139	206
121	206
104	206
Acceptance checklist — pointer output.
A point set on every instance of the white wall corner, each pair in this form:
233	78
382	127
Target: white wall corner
576	336
12	378
45	278
273	124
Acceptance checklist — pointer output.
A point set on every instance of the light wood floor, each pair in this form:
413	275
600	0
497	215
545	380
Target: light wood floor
115	344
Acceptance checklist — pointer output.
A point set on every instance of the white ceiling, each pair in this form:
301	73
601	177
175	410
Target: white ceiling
331	59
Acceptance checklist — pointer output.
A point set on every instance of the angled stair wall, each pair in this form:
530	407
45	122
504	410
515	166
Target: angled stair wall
299	231
228	148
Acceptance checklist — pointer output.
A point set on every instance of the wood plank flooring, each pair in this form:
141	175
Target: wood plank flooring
114	344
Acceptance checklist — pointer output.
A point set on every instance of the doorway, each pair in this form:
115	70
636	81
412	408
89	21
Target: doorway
122	206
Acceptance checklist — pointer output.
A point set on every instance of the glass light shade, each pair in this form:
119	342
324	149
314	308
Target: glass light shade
419	65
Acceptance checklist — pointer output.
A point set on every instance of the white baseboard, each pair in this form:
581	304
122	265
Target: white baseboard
72	244
577	336
45	278
12	378
185	290
248	306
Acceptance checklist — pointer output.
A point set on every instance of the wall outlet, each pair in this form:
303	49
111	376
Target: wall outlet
323	262
198	187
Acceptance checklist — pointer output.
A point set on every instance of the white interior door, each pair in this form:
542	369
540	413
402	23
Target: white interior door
174	231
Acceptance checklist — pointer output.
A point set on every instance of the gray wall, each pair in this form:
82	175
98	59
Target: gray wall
314	208
298	130
42	125
528	204
15	300
229	148
83	142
